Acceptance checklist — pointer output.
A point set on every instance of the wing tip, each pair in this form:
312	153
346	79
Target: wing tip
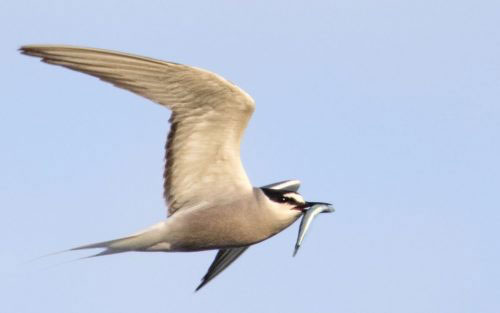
223	259
203	283
33	50
25	49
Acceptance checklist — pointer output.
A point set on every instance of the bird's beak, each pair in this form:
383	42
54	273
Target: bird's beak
329	208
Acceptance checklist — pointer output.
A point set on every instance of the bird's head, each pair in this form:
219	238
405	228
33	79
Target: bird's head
289	199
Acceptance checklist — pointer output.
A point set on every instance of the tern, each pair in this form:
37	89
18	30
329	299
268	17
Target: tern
211	202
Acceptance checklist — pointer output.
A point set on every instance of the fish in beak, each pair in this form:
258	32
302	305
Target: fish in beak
310	209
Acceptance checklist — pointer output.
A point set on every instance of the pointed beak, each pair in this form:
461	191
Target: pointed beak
328	206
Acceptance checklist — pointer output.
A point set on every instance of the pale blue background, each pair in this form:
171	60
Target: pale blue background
388	109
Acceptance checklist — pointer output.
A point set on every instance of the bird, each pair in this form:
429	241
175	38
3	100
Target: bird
211	203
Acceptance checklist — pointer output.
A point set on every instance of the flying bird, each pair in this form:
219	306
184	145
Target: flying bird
211	202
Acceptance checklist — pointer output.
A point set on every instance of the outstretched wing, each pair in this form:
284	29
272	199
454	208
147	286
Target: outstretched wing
209	116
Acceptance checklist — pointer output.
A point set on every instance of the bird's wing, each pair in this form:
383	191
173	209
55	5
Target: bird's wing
223	259
209	116
289	185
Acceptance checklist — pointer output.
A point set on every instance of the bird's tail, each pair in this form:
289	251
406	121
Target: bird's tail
149	239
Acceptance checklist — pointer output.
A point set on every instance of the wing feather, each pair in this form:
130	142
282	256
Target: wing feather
209	116
223	259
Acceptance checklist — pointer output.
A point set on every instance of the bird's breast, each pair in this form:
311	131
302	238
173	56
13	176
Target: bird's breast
225	226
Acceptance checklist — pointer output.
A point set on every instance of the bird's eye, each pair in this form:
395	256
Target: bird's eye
283	199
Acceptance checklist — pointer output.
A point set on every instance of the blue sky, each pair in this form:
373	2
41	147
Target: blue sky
388	109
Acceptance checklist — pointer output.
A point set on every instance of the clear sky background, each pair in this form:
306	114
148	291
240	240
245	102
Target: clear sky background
389	109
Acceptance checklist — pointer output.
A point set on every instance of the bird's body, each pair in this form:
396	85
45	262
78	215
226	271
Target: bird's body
249	220
211	203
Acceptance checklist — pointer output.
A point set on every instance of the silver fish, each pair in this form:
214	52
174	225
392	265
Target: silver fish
307	218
